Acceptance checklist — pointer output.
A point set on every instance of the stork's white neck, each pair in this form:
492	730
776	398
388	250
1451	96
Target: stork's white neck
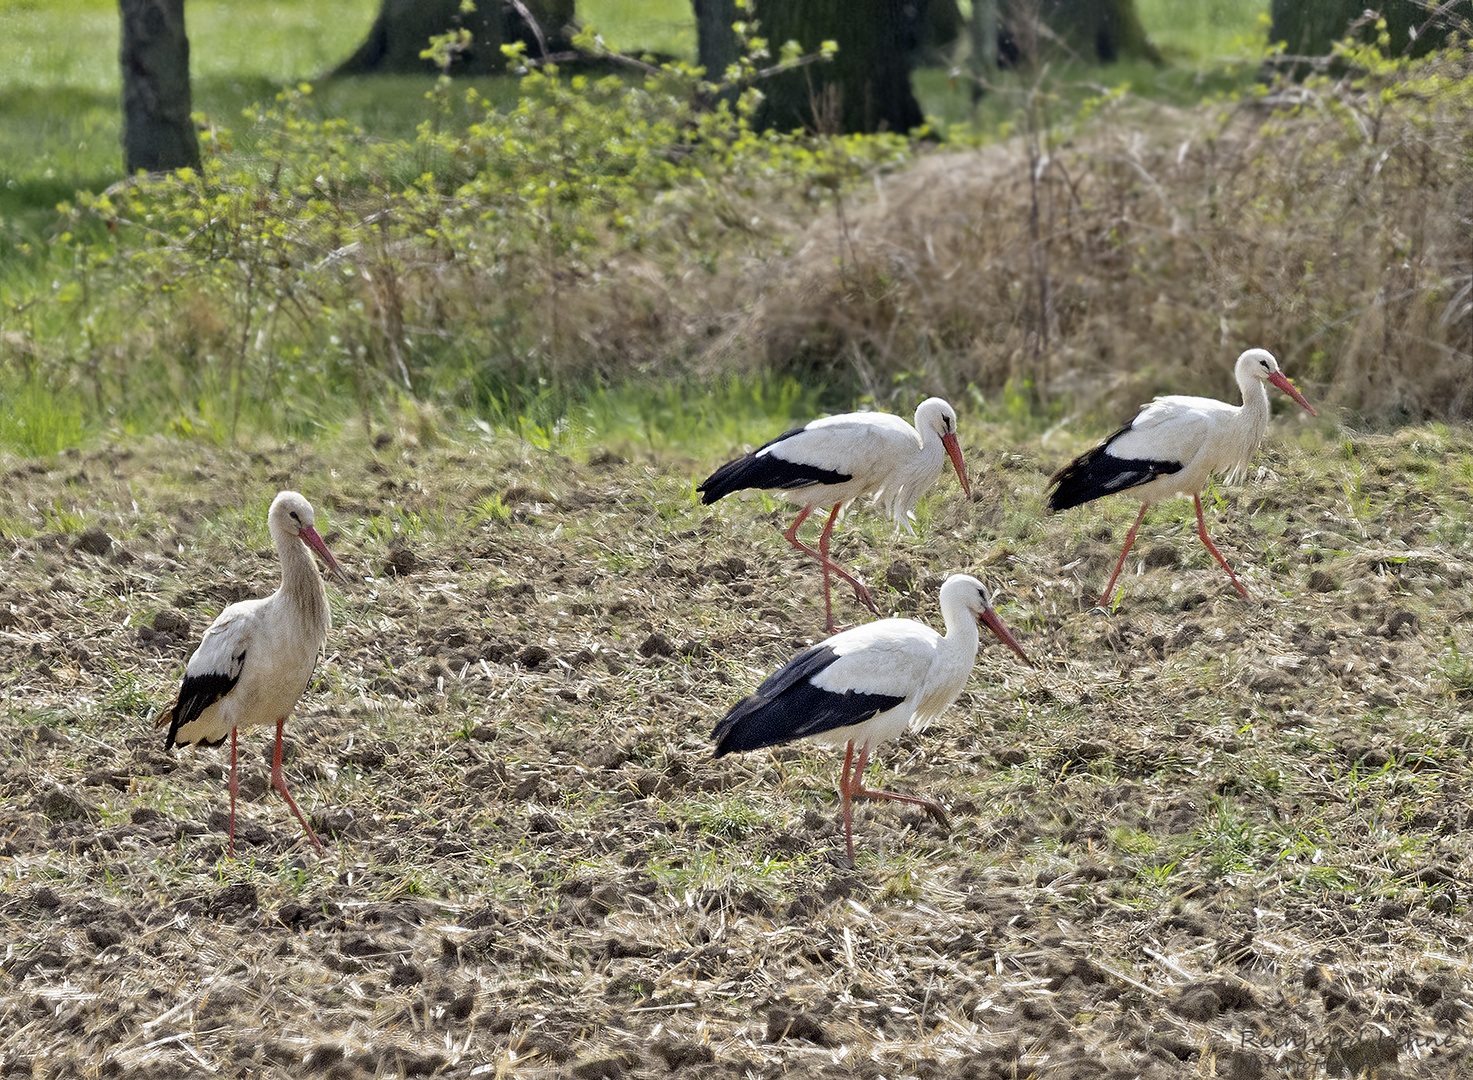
301	584
1255	409
962	635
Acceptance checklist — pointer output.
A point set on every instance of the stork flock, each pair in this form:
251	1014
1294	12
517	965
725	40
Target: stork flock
857	688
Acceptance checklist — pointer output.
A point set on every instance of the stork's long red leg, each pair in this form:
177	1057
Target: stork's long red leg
851	787
845	787
828	599
859	791
861	593
234	787
279	783
1202	532
1129	540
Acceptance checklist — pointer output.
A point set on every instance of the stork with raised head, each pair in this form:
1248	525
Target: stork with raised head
866	685
1171	447
257	657
834	460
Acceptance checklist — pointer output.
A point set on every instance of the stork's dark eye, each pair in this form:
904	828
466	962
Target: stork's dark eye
295	518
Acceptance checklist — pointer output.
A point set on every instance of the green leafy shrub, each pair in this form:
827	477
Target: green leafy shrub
574	238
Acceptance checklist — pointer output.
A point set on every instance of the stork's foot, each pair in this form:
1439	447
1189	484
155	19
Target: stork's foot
938	815
862	594
934	809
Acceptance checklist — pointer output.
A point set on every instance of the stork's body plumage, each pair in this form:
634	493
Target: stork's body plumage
866	685
1172	447
833	461
257	657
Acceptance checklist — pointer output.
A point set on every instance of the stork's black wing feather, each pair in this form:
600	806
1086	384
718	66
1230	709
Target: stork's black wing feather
789	706
197	694
1099	473
767	472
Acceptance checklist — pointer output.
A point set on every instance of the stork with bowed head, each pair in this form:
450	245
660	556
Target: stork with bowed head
1171	447
257	657
834	460
866	685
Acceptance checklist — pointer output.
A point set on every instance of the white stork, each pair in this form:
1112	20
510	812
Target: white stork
1171	447
833	461
257	657
866	685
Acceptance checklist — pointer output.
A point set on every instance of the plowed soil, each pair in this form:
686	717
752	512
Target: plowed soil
1205	837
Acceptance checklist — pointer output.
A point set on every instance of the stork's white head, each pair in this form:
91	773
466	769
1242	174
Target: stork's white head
291	515
936	415
1260	364
963	592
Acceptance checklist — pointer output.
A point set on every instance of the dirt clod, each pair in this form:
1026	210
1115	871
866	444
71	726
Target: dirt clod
64	804
794	1024
678	1056
170	621
657	644
401	562
94	541
606	1068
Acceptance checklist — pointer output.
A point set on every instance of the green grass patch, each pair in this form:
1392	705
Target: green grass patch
661	27
38	420
1206	33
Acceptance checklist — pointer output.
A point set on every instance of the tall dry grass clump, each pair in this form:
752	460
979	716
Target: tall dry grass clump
1331	223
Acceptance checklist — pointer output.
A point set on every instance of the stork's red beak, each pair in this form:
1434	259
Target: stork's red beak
1279	379
954	449
993	623
312	540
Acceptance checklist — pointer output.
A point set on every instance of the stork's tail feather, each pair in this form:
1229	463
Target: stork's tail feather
1075	484
724	480
728	735
168	717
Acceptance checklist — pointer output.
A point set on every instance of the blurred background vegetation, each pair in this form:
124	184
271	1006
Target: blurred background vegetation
553	251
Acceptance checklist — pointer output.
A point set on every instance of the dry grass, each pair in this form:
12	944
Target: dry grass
1144	250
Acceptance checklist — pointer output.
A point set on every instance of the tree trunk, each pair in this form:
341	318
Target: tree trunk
1310	27
1100	31
942	27
716	44
984	43
867	86
157	132
403	30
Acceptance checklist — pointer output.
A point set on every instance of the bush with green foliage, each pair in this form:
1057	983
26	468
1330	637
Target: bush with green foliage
471	266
